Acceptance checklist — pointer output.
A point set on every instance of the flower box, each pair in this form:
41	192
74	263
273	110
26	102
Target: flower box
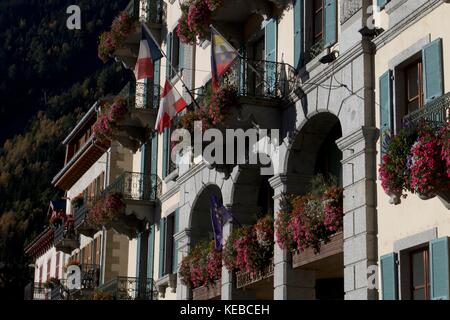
211	292
245	279
333	247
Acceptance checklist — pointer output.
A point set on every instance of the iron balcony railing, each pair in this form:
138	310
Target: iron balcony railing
141	95
151	10
65	231
126	288
40	292
261	79
434	113
80	215
136	186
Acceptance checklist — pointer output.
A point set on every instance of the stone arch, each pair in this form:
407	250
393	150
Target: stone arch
314	149
200	219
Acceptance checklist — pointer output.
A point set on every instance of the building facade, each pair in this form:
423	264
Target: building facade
316	71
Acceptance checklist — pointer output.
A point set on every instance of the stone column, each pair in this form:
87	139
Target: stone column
360	215
183	238
229	290
288	283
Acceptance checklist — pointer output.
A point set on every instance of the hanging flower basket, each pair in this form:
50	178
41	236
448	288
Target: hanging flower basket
195	19
111	40
202	267
310	220
250	249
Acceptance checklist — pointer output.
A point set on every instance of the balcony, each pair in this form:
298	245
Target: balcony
125	288
85	156
81	224
152	15
140	193
435	113
136	127
90	276
331	251
246	279
40	292
65	239
211	292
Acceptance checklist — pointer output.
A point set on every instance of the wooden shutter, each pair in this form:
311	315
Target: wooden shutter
170	224
271	54
433	79
298	11
98	246
49	265
176	229
439	269
58	263
166	152
330	22
162	246
151	251
386	113
389	276
382	3
169	55
138	255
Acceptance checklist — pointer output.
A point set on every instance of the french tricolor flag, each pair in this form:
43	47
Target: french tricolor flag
149	52
170	104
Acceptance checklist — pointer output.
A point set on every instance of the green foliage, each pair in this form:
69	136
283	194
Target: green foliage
49	77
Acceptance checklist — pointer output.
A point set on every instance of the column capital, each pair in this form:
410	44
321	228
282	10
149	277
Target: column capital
182	235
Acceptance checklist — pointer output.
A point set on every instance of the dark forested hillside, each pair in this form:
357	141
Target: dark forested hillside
49	76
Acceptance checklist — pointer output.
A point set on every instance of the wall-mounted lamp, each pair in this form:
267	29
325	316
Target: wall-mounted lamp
329	57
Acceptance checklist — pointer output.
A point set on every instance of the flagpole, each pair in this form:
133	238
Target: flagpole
173	69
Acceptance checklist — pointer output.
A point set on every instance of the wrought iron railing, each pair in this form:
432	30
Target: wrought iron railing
90	275
434	113
40	292
136	186
80	215
65	231
147	96
262	79
244	279
151	10
126	288
141	95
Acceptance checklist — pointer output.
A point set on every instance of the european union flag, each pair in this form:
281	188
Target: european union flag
219	216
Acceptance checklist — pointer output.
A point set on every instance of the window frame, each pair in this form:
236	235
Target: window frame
425	250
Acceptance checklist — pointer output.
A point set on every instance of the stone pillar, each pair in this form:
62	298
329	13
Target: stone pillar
360	215
229	290
288	283
183	238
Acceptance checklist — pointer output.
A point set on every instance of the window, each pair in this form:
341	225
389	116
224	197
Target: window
414	86
318	24
420	274
49	265
167	250
57	273
175	53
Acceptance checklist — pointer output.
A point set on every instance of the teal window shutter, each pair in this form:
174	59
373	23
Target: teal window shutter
433	73
298	10
176	229
138	254
156	84
154	156
168	55
151	250
389	276
271	54
166	156
439	269
330	22
382	3
385	107
181	56
162	246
